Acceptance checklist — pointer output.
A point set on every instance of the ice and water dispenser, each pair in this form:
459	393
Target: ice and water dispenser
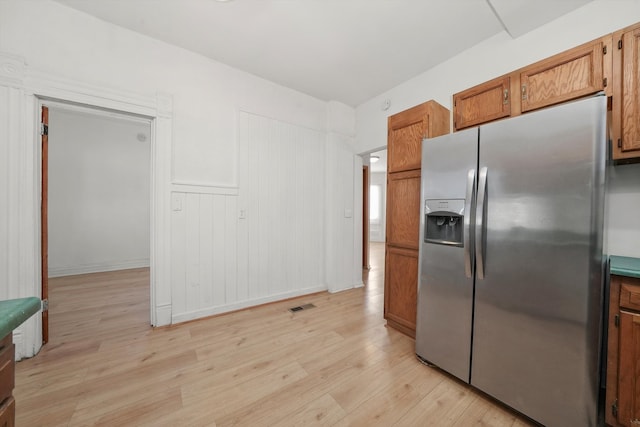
444	221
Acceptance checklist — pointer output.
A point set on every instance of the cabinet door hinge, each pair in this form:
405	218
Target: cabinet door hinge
604	50
619	143
604	82
45	305
44	129
614	408
616	320
620	44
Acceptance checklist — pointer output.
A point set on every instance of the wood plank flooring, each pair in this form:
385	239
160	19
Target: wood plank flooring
335	364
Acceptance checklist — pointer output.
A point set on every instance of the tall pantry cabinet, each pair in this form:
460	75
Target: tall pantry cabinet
406	130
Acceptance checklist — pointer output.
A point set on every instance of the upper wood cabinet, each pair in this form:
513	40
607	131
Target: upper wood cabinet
406	131
572	74
569	75
626	97
483	103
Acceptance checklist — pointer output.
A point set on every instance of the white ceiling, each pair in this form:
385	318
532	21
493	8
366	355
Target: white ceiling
343	50
381	164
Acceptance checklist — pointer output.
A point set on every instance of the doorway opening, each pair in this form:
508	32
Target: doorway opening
374	229
95	219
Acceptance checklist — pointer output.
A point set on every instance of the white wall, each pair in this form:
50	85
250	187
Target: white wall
262	245
623	206
207	95
343	201
213	262
99	195
377	232
499	55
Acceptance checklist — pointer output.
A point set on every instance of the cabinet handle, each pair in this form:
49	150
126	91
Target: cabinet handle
524	92
505	96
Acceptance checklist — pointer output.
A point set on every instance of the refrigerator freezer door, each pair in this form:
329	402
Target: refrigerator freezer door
538	307
445	294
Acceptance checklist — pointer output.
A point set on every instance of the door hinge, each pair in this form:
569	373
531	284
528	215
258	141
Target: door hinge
614	408
616	320
604	50
604	82
619	143
44	129
620	44
45	305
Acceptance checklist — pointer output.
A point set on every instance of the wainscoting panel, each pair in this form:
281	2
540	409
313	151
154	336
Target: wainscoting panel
263	244
284	202
5	200
203	250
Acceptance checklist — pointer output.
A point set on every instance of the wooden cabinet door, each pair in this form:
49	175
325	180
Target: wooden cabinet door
8	413
629	370
613	338
483	103
626	98
404	145
568	75
401	290
403	209
406	131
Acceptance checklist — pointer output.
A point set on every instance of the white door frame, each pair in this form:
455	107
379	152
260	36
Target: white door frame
27	89
100	112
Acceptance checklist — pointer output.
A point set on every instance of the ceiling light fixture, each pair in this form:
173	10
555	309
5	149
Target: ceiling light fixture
374	159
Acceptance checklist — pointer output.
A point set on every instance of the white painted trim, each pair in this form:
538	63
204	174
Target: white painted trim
163	314
12	70
355	286
97	268
202	188
92	112
210	311
357	219
46	86
28	90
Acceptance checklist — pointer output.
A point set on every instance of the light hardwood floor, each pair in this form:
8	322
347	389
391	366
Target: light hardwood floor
336	364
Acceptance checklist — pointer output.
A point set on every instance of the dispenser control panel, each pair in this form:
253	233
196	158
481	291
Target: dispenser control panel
444	221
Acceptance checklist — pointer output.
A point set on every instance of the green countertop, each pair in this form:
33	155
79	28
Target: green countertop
15	311
625	266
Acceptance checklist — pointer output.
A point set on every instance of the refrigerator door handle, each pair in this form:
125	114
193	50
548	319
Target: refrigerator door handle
480	226
468	223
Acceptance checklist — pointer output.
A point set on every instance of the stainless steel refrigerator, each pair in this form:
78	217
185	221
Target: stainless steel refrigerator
512	268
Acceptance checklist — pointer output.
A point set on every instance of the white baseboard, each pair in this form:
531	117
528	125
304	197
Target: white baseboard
97	268
354	286
210	311
163	315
